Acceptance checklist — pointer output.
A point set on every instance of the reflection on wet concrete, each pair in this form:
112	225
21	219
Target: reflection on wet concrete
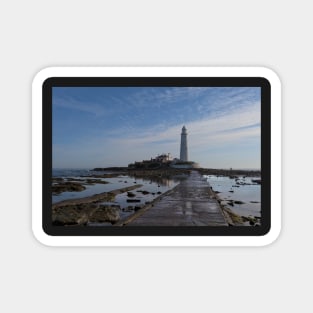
191	203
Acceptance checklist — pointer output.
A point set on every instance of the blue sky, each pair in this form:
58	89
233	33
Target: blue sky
114	126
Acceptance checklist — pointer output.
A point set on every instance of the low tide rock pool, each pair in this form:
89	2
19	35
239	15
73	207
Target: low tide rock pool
240	194
128	202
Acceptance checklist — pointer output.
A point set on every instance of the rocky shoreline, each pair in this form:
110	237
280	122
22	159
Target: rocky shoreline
232	173
234	219
89	210
169	172
60	184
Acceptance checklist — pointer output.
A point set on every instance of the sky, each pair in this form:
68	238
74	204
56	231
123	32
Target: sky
115	126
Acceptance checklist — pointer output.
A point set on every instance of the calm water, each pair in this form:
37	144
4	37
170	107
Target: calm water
153	187
69	172
245	191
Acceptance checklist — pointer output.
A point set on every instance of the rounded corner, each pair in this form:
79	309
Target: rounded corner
271	236
42	236
271	76
42	76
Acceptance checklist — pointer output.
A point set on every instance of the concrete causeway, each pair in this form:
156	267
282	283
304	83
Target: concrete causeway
191	203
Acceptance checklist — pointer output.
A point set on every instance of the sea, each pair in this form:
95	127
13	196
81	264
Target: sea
240	194
153	187
238	189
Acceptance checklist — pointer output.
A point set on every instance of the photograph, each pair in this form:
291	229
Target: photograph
174	156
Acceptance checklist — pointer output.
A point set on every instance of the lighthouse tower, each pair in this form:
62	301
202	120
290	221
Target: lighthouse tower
183	145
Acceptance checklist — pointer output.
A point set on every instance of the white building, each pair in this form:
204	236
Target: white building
183	145
183	162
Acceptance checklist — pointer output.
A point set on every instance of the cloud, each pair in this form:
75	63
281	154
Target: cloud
216	119
234	125
160	97
83	106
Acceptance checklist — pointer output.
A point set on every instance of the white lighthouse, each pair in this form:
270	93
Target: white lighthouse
183	145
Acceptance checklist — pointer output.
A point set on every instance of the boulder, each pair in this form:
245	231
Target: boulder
91	181
238	202
106	214
72	214
82	214
67	186
132	200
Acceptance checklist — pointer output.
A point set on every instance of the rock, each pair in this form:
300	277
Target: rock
67	186
106	214
75	179
132	200
83	214
128	209
95	181
72	214
245	219
57	179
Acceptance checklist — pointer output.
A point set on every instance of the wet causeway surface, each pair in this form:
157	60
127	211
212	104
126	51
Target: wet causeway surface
189	204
